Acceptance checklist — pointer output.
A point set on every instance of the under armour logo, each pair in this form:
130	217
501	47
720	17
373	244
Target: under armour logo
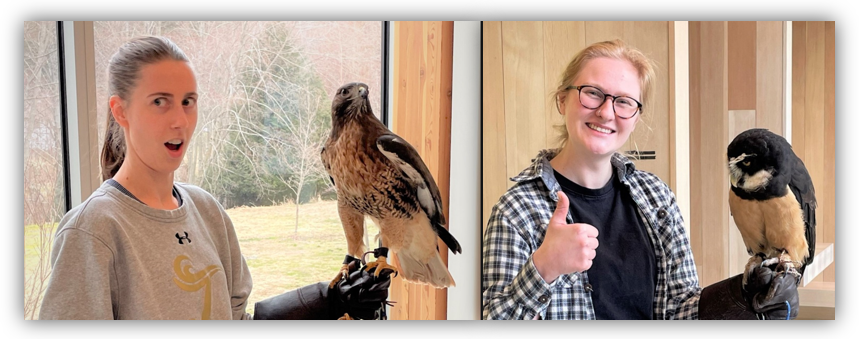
181	237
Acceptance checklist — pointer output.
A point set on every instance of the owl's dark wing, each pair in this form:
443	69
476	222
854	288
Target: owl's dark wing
803	189
407	159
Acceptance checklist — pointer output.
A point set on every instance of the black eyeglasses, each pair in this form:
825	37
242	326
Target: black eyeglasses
591	97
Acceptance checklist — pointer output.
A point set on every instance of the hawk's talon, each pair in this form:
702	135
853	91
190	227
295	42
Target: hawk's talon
341	275
380	264
345	317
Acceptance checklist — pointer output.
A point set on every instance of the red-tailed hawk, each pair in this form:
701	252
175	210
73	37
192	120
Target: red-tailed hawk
380	175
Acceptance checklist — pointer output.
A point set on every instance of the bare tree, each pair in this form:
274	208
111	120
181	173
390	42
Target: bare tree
303	144
343	52
285	114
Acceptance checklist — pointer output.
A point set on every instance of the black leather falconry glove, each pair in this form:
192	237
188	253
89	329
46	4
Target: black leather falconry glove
769	295
360	295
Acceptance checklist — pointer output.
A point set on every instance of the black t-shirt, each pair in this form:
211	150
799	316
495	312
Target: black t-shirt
623	275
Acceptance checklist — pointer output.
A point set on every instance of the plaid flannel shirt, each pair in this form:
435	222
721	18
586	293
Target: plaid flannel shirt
513	289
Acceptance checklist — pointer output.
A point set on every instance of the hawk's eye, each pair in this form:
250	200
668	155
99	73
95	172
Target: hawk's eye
747	163
344	91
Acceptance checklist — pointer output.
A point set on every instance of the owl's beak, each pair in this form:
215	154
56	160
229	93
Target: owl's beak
734	172
734	180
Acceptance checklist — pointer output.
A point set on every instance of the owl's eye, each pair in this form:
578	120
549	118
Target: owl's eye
747	163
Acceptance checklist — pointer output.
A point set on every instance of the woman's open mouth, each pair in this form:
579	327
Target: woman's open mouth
174	145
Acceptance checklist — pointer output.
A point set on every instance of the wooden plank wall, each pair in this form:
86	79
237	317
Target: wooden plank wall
709	187
813	119
494	168
523	62
695	209
423	71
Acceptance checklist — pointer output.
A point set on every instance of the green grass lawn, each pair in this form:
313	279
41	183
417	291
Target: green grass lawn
278	260
34	236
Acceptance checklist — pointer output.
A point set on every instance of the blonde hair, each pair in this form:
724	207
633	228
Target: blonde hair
123	71
615	49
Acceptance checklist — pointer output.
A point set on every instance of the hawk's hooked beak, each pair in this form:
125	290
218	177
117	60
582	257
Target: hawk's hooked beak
363	91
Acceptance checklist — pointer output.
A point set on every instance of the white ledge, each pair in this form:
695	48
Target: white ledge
823	257
817	294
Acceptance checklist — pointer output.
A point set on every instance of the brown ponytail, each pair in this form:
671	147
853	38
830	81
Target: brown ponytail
122	73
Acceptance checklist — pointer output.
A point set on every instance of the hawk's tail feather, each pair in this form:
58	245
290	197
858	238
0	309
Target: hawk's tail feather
448	239
433	273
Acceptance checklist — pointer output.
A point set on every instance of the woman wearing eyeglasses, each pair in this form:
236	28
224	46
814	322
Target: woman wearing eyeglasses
583	234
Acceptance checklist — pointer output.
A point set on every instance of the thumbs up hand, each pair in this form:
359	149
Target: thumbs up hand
566	248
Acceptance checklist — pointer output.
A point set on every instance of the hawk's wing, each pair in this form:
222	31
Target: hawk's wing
802	188
326	165
404	156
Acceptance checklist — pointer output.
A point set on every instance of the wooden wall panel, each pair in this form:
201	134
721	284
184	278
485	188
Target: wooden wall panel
828	201
813	119
653	130
563	39
714	175
696	236
813	123
769	70
678	115
673	77
494	149
798	86
524	91
596	31
422	106
741	65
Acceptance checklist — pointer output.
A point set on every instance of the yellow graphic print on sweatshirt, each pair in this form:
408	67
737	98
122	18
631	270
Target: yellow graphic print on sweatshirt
194	281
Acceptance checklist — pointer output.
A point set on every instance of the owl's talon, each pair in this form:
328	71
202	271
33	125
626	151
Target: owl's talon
754	262
790	269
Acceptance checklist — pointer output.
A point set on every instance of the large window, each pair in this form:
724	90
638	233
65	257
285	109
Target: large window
264	114
44	188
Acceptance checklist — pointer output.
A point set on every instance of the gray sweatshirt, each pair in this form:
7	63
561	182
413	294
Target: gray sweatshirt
116	258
